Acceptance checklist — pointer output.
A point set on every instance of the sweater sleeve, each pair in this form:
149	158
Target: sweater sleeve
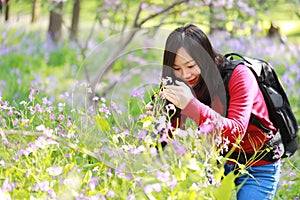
242	89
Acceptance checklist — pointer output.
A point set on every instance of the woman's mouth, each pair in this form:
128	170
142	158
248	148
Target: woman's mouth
192	82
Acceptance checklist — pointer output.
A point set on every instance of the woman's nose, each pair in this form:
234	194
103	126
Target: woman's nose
186	73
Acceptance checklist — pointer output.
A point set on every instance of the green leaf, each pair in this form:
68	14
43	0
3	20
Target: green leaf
224	191
68	167
134	108
102	123
87	177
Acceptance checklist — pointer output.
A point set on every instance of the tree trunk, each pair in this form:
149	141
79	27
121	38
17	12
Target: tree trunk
36	10
0	7
6	11
55	23
75	20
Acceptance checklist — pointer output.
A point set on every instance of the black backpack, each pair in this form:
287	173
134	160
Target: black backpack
278	105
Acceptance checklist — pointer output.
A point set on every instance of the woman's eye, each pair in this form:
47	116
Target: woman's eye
176	69
191	66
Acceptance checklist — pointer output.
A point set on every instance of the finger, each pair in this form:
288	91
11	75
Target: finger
169	93
175	91
180	83
175	88
172	97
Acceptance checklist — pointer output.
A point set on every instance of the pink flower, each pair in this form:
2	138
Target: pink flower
163	176
52	116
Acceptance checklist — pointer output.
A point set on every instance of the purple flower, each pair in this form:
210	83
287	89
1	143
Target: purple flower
38	108
45	101
164	138
136	93
60	117
152	187
142	134
94	181
69	122
52	116
180	149
52	193
112	106
8	186
131	197
163	176
172	183
277	150
139	150
110	194
153	151
31	94
54	171
15	122
161	123
42	186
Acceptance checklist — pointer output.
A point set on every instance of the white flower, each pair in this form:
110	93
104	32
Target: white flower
54	171
170	106
22	102
166	80
40	127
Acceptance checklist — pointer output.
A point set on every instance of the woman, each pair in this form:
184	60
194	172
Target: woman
200	95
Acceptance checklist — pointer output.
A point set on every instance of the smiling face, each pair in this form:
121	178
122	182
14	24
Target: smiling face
186	68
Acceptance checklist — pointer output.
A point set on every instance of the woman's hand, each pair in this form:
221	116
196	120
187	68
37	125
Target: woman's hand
179	95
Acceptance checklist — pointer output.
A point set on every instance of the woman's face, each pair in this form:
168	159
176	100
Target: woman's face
186	68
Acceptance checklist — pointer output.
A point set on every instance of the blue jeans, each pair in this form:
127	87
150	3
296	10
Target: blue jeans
263	186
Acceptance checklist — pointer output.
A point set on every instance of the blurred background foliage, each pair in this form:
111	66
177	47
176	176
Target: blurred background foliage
47	36
53	45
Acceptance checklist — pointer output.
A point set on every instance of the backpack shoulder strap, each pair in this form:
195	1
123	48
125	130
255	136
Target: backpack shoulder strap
226	72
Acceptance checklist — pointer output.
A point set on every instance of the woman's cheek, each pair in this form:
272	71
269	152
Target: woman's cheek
177	74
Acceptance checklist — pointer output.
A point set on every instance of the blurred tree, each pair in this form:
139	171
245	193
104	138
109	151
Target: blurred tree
75	19
120	15
6	6
55	22
36	10
238	17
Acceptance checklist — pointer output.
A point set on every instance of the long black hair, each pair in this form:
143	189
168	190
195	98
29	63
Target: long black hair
198	46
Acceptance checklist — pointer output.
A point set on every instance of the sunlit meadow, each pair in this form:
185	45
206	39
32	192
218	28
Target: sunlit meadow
59	144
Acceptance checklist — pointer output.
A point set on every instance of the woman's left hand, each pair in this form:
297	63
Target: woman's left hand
179	95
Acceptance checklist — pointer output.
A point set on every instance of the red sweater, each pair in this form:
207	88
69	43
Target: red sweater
245	99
